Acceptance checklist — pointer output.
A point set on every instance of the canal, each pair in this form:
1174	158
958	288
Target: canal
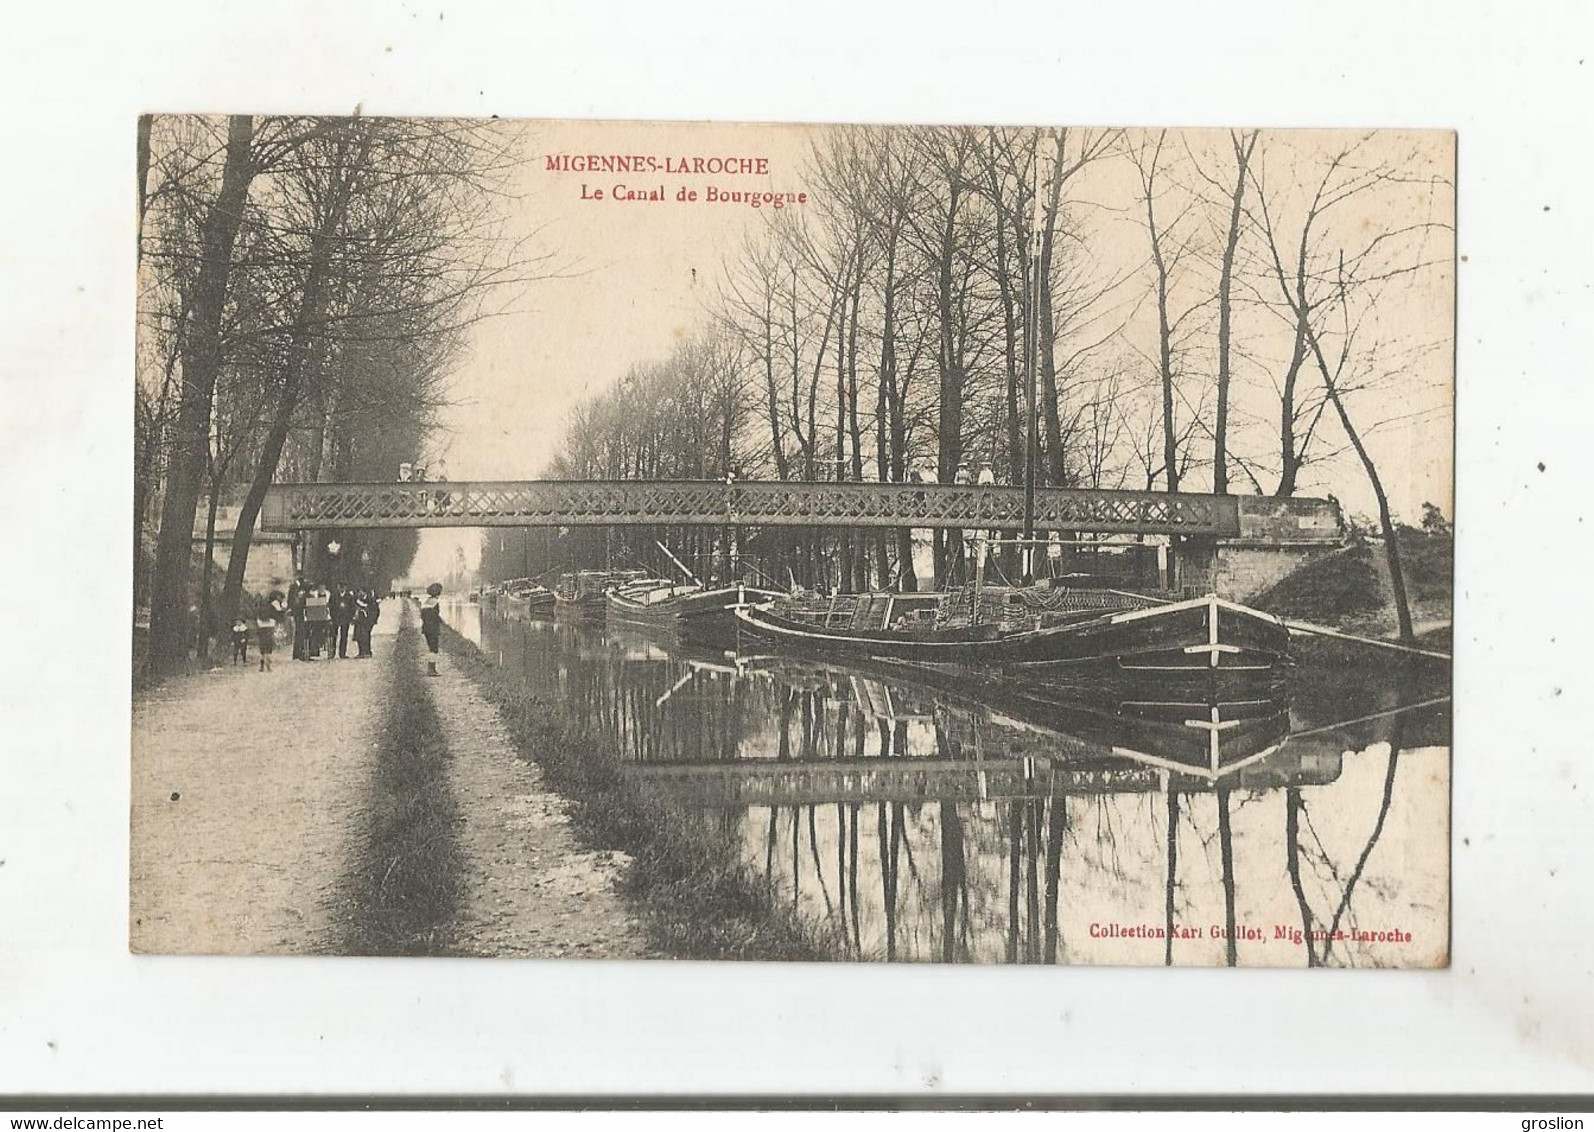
919	824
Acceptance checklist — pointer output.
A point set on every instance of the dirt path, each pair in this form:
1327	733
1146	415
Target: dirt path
248	790
529	890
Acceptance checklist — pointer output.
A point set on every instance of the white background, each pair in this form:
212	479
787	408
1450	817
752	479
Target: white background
1516	1012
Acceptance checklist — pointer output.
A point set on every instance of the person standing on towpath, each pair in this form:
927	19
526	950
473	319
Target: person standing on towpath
343	602
301	638
317	617
432	624
365	615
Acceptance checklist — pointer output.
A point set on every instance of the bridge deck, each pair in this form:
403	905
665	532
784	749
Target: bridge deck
529	503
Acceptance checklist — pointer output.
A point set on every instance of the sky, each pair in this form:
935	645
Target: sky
626	279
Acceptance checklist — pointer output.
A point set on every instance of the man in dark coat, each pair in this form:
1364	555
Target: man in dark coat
301	639
365	612
342	618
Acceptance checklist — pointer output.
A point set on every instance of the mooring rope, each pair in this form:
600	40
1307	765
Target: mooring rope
1325	631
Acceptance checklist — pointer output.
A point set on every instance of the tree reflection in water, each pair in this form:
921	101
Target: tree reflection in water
994	836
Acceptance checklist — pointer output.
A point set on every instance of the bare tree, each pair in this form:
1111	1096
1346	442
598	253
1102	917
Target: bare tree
389	229
1340	277
946	156
201	360
1243	145
1169	245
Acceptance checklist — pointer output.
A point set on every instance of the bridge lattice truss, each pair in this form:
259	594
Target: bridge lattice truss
529	503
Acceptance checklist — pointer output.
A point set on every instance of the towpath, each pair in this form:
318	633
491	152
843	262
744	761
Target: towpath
532	891
251	798
248	802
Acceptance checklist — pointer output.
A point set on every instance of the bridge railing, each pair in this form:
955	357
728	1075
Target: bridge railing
526	503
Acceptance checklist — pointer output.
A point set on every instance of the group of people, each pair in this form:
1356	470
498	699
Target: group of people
923	473
270	612
321	618
325	619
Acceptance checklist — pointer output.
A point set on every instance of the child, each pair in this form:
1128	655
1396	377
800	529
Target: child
240	641
266	639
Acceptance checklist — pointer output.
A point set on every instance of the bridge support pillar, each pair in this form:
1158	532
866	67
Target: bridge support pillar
1196	563
1277	537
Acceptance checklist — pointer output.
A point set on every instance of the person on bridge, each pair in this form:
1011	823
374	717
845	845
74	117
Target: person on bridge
432	624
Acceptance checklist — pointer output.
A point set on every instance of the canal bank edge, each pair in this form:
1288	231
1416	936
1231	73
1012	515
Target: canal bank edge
697	898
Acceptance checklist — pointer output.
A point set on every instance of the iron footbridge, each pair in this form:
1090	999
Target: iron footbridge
573	503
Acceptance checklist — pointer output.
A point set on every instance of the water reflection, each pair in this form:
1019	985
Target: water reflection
923	825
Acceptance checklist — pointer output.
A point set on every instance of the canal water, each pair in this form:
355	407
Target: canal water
918	824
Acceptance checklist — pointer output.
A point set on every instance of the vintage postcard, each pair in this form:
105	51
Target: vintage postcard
928	544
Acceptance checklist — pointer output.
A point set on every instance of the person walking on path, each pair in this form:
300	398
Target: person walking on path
432	624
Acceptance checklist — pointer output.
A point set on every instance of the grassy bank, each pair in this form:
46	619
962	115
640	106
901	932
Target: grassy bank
1350	590
405	887
698	900
1337	589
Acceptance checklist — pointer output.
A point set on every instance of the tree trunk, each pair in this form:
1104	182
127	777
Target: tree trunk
777	444
1014	341
144	467
1170	444
207	614
1045	328
950	417
844	536
860	580
894	422
1397	575
1056	826
953	866
304	338
1292	866
145	122
202	359
1172	877
1290	458
882	459
1220	431
1226	857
